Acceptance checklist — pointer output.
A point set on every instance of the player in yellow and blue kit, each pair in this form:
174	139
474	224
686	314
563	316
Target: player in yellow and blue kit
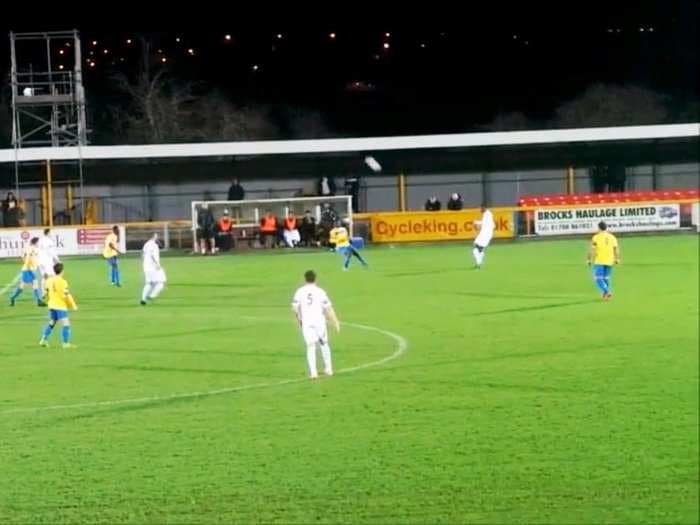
110	253
341	239
604	253
59	299
30	265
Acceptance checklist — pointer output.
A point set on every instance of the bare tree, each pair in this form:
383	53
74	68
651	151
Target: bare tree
158	107
306	123
607	105
515	121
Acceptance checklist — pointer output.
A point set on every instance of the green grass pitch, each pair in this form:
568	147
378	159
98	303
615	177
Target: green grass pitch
521	398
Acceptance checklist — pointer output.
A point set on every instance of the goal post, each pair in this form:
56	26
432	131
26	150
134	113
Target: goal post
247	213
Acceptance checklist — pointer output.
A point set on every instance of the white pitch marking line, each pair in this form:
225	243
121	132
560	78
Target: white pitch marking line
401	347
9	285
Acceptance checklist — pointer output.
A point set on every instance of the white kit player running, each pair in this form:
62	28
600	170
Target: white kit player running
486	228
153	273
47	256
312	306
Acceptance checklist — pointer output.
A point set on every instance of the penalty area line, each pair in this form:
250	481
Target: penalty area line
401	347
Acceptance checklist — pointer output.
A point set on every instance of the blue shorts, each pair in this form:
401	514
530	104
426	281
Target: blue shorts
344	250
28	276
57	315
602	271
112	261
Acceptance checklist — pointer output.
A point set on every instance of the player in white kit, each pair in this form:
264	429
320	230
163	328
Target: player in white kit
47	256
153	273
312	306
486	228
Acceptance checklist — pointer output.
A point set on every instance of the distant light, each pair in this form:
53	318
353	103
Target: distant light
387	35
527	43
177	40
227	37
92	64
332	36
91	53
164	60
641	30
190	51
160	51
610	30
121	59
279	36
60	66
619	30
67	44
105	51
651	29
128	40
377	57
423	46
60	52
386	45
94	42
256	67
515	37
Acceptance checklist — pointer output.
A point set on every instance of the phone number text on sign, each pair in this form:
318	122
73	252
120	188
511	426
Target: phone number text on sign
618	218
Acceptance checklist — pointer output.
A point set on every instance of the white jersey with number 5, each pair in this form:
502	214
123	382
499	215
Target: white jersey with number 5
310	302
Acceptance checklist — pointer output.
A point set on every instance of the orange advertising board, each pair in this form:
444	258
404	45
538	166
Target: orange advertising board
435	226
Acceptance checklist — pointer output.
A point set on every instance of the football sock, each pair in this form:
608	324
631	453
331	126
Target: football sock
326	355
311	359
65	334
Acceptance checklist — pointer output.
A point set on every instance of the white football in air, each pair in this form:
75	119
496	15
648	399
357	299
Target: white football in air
373	164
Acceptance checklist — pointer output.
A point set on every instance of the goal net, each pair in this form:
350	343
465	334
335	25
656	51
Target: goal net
248	213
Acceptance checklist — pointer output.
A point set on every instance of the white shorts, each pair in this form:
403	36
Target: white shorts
291	236
46	268
483	239
314	334
154	276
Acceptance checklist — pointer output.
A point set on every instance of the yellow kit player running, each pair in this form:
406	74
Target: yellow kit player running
30	265
341	239
604	253
59	299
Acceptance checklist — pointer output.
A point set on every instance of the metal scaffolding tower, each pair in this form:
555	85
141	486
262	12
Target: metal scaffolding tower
48	102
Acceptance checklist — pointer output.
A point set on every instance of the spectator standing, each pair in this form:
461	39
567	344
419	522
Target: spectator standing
307	229
268	229
433	204
326	187
205	229
329	217
224	231
291	233
236	191
12	214
455	203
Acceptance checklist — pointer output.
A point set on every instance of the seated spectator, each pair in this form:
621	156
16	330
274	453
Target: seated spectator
12	214
455	203
291	233
224	231
268	230
307	229
433	204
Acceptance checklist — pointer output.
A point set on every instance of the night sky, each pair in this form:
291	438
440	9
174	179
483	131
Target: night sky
401	77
